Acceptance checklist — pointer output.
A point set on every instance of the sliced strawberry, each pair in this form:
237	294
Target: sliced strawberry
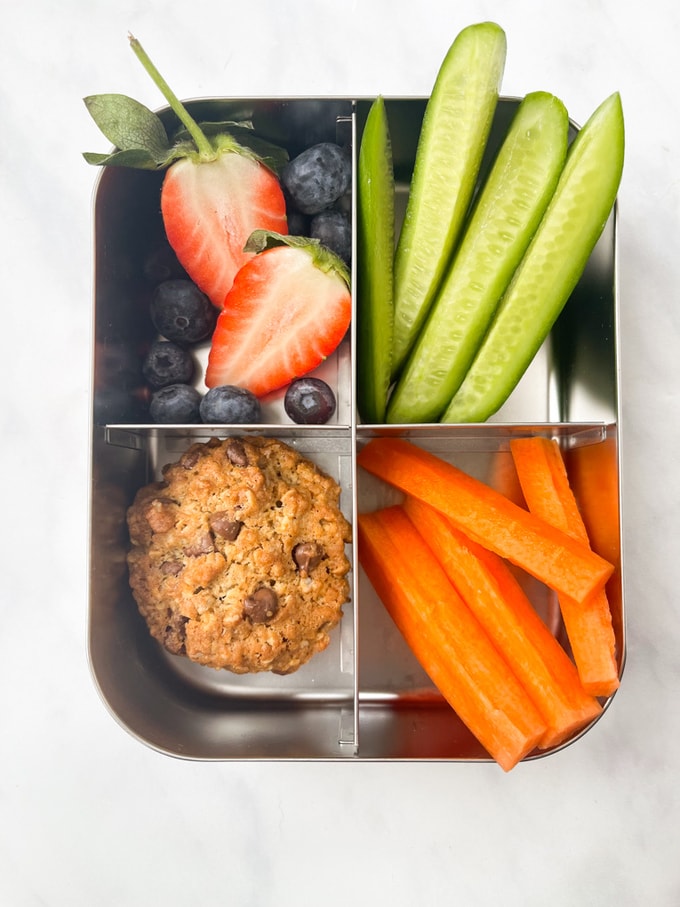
220	183
211	208
288	309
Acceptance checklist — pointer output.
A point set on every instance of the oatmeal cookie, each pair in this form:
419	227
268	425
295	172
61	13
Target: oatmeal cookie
237	557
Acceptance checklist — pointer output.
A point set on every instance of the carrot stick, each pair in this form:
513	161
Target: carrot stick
483	514
494	596
592	470
548	493
446	638
503	477
593	474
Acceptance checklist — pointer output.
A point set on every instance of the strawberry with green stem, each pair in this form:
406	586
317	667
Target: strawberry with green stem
220	184
288	310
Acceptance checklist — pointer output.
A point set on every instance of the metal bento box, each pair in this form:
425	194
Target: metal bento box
365	697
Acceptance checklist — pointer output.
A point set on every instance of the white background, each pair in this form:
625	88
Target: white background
88	816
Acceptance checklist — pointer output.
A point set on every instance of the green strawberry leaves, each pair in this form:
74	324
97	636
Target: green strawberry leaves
322	257
128	124
272	156
141	140
230	135
138	134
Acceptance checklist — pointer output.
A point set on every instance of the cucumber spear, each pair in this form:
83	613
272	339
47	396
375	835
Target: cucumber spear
375	228
506	214
455	128
551	267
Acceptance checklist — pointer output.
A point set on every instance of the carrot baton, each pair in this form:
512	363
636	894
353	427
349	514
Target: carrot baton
503	477
548	493
592	470
487	585
446	638
491	590
593	476
566	565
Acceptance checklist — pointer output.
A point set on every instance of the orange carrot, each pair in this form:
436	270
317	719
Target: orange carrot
494	596
446	638
548	493
483	514
503	477
593	475
593	471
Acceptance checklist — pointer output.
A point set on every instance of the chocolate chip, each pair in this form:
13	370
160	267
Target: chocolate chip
175	634
236	453
171	568
202	544
190	458
307	556
160	514
223	525
262	605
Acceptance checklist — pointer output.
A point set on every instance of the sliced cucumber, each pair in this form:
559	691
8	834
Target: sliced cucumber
505	217
453	135
375	259
551	267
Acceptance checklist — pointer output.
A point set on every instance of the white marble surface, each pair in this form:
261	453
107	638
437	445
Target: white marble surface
90	816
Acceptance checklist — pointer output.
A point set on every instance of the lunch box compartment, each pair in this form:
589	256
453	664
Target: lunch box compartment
365	697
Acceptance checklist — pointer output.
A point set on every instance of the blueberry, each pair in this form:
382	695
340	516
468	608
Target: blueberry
334	230
167	363
309	401
181	312
317	177
161	263
175	404
230	404
298	224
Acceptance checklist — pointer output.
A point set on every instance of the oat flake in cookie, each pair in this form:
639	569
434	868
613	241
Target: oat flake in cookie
238	556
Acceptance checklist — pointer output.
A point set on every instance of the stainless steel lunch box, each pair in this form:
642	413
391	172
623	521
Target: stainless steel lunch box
365	697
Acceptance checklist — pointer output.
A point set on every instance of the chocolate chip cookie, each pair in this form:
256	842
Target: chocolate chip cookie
237	557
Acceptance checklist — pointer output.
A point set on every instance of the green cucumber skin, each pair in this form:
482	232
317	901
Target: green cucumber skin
375	282
454	132
506	215
551	267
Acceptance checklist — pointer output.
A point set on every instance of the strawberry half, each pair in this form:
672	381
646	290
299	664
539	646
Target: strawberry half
220	184
288	309
210	209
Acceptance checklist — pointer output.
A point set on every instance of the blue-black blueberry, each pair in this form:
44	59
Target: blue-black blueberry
334	230
181	312
317	177
309	401
167	363
176	404
230	404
